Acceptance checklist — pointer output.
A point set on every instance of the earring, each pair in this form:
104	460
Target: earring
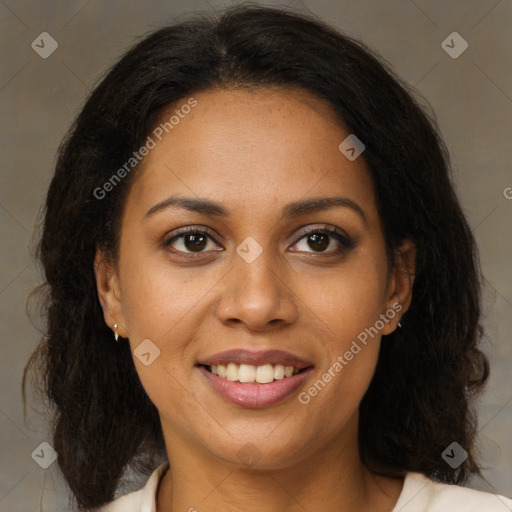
399	324
116	334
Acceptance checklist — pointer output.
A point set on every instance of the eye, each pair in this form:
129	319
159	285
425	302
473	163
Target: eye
190	239
319	239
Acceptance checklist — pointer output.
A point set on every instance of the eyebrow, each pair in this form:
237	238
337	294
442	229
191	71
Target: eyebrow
290	210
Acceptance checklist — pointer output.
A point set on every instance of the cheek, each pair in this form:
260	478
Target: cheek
346	310
349	300
162	306
156	297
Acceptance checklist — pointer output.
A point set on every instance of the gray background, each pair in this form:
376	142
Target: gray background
471	95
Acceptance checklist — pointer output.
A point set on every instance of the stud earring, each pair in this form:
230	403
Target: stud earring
116	334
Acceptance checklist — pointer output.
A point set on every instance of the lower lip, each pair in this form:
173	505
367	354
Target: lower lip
256	395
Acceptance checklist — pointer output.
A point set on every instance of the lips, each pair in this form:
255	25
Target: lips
257	394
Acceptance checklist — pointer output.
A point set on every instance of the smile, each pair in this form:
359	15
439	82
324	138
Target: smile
247	373
254	379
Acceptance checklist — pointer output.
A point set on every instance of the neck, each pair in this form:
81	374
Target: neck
332	478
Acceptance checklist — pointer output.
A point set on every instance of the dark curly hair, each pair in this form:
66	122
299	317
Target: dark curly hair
428	372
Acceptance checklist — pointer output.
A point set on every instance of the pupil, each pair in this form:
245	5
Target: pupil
197	241
319	241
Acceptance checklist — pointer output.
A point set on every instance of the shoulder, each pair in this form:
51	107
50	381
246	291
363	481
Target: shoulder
143	500
421	494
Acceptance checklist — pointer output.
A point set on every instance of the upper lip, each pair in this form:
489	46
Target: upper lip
240	356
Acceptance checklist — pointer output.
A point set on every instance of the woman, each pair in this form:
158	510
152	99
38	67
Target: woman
261	286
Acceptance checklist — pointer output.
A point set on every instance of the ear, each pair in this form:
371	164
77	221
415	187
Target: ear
107	284
399	294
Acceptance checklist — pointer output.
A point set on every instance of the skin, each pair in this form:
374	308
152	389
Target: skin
254	152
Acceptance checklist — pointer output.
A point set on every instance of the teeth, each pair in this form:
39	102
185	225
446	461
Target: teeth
232	372
248	373
265	374
279	371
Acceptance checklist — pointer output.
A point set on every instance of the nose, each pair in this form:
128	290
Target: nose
257	295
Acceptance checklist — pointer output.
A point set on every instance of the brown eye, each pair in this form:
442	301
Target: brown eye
321	239
189	241
318	241
194	242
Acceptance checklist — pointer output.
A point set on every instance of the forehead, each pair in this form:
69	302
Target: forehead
244	148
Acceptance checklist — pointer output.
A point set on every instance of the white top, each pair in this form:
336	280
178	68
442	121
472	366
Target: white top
419	494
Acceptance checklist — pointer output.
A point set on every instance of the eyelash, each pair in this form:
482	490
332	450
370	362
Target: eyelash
344	241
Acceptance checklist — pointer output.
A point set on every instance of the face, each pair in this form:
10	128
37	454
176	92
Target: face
261	270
